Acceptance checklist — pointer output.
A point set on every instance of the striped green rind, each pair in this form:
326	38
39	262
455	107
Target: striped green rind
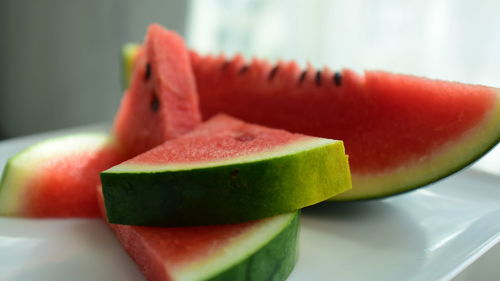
270	258
20	169
229	193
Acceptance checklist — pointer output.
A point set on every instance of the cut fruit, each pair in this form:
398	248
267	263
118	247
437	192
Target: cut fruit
258	250
225	171
57	177
400	131
161	102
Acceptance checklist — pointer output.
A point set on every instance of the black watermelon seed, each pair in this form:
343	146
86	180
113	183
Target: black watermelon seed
155	103
225	64
337	78
302	76
243	69
318	77
148	71
273	72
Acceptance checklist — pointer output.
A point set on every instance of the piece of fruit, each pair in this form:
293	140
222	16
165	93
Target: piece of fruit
161	102
57	177
225	171
257	250
400	131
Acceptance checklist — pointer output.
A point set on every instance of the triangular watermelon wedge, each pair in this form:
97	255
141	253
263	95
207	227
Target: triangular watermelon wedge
400	131
161	102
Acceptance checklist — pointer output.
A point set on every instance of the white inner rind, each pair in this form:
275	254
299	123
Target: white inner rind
235	251
278	151
21	168
452	156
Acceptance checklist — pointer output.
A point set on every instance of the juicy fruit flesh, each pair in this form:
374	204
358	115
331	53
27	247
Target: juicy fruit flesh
57	177
384	119
66	187
436	115
223	138
474	143
161	102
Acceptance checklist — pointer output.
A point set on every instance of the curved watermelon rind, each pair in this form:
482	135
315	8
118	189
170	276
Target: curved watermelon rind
270	259
472	146
229	193
19	169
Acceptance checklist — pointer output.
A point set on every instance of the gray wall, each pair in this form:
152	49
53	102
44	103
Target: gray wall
60	59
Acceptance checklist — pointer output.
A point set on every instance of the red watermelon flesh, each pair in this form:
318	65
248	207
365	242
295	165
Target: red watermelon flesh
161	102
57	177
400	131
218	139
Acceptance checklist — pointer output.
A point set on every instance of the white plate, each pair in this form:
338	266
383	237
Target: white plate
429	234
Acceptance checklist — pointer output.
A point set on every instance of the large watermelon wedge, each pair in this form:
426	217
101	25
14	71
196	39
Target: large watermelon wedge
400	131
57	177
161	102
224	171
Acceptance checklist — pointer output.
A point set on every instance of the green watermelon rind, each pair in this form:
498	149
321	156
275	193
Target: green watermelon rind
473	145
127	60
229	193
272	258
18	170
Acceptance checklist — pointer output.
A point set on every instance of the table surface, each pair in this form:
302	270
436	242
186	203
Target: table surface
430	234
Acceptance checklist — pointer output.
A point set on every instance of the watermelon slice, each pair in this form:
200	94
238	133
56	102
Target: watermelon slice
161	102
257	250
400	131
57	177
225	171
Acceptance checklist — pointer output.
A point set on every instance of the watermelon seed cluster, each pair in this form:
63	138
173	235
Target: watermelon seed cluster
336	77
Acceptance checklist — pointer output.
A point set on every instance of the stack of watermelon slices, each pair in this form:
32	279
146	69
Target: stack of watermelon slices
219	200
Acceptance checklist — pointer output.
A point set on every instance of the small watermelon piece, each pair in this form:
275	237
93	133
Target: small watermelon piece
400	131
225	171
257	250
161	102
57	177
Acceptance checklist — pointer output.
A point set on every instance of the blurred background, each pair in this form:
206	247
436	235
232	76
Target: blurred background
60	60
